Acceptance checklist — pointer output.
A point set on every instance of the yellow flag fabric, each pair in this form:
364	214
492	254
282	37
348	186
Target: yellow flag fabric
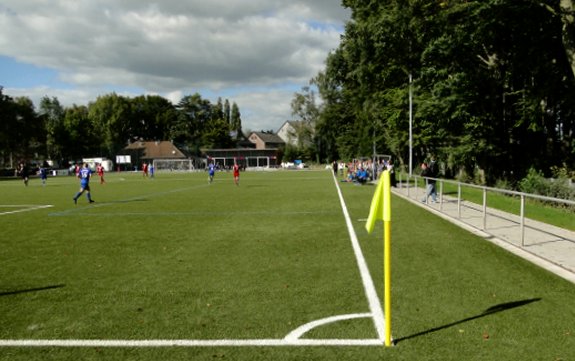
376	209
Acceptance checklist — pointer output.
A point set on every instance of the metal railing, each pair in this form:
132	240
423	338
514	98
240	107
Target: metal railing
416	180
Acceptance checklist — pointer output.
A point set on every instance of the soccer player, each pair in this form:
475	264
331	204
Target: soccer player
24	172
43	174
211	171
236	174
145	170
85	174
100	171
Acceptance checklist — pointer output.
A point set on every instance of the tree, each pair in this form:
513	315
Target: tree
113	123
490	79
227	111
304	107
194	114
80	139
8	128
52	114
152	116
236	121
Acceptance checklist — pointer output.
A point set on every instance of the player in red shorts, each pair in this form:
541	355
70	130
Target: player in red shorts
236	174
145	170
100	171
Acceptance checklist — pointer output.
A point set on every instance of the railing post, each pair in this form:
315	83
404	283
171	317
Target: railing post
522	220
425	185
440	195
459	199
408	185
484	208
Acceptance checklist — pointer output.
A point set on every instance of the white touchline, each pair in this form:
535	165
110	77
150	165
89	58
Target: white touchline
292	339
368	285
29	208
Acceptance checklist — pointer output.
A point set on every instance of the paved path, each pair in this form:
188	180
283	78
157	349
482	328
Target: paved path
548	246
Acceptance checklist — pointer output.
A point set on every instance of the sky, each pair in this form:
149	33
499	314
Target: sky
256	53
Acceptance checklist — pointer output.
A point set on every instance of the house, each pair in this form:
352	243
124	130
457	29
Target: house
287	132
147	152
245	157
296	133
266	140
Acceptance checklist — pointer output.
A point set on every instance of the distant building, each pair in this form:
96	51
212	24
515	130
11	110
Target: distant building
262	150
266	140
147	152
291	131
245	157
287	132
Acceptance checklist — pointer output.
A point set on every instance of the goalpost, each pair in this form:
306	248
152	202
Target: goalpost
173	165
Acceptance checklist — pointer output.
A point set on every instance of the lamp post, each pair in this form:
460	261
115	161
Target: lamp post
410	125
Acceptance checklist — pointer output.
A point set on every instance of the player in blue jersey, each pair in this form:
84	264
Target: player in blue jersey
43	174
84	174
211	171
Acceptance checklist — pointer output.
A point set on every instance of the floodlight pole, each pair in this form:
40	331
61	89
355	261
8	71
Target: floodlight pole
410	125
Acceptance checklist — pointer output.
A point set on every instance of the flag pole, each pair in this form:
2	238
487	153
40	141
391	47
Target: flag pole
387	255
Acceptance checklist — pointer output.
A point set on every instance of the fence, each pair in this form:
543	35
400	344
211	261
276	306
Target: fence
411	184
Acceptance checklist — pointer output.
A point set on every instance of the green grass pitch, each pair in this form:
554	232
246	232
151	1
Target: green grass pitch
176	258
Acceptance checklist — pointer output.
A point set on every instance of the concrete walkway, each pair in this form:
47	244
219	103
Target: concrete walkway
548	246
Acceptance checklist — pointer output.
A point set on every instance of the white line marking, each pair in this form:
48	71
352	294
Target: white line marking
292	339
300	331
368	285
29	208
189	343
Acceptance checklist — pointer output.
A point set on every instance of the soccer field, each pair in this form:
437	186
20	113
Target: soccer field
175	258
174	268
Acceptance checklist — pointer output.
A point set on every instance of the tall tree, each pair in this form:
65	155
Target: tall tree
490	78
236	121
194	114
227	111
8	128
81	138
304	107
52	113
113	122
152	117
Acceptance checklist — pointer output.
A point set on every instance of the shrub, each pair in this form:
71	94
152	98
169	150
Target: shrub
534	183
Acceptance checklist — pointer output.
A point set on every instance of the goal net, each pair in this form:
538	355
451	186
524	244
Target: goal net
173	165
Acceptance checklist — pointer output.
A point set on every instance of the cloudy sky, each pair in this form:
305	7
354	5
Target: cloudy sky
256	53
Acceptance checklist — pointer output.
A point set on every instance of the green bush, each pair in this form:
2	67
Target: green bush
504	184
536	183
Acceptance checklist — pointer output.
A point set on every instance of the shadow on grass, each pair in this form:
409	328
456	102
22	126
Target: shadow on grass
17	292
490	311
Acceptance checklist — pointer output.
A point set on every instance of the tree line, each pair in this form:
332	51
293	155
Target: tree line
491	84
491	80
108	124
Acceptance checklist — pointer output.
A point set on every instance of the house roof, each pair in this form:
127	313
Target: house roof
269	138
156	150
291	123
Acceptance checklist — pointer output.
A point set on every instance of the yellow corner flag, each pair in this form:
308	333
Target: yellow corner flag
381	209
376	209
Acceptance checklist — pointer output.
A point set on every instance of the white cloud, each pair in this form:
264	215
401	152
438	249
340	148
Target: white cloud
176	47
